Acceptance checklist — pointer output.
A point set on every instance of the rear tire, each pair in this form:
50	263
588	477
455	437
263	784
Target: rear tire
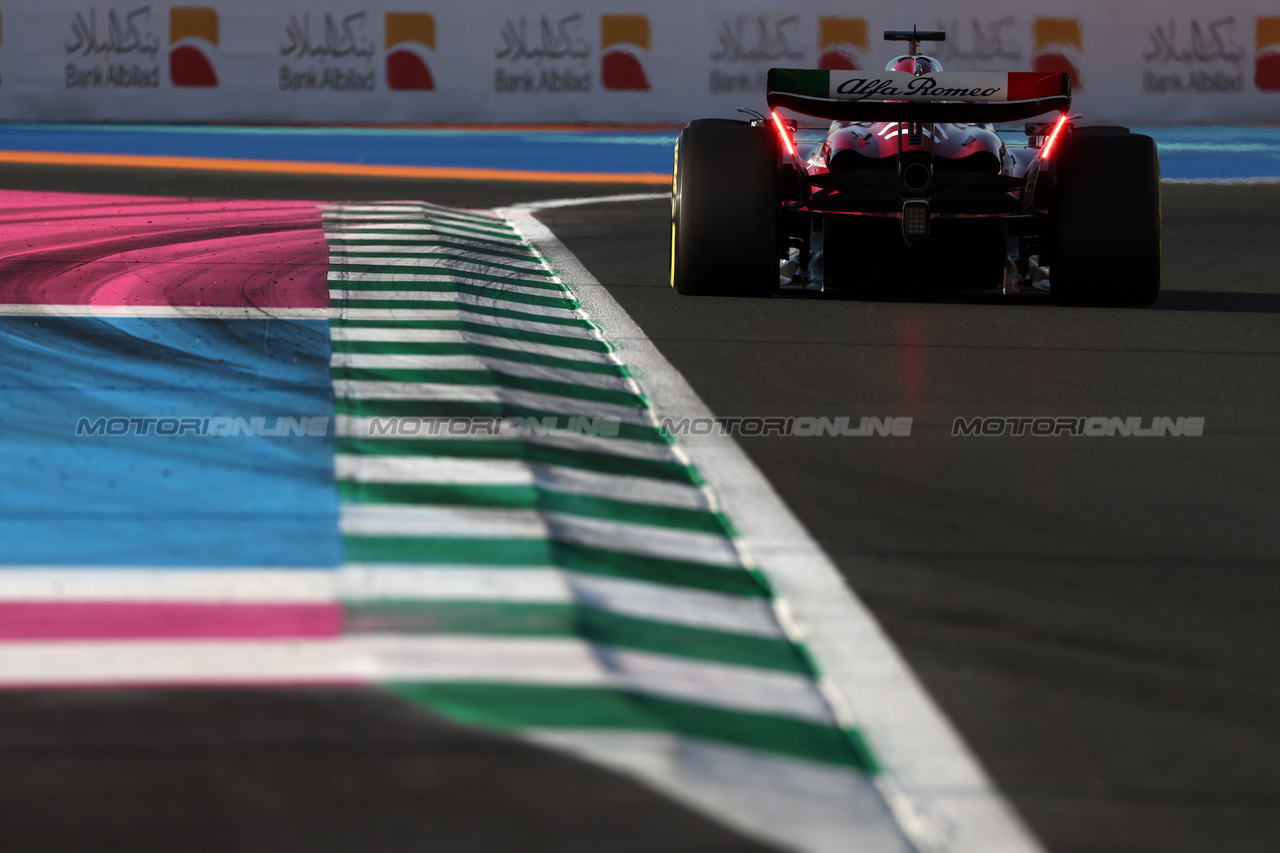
1106	220
725	210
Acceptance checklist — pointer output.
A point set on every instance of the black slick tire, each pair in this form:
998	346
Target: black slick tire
1106	220
725	210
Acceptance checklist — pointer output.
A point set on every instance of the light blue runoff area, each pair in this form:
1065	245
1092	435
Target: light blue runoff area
164	500
1222	152
1217	152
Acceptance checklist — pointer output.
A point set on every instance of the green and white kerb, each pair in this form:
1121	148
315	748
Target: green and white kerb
580	590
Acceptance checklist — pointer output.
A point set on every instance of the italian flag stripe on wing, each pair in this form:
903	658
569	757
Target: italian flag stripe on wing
1030	85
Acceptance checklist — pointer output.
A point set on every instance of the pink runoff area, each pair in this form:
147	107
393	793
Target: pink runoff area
79	249
72	249
167	620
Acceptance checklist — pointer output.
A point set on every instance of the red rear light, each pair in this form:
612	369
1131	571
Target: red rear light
786	137
1053	137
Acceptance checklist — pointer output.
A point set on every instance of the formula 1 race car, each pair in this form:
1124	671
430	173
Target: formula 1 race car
912	187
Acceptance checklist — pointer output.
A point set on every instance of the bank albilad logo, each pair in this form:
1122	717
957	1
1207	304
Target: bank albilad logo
192	32
410	35
1266	65
622	37
842	42
1059	45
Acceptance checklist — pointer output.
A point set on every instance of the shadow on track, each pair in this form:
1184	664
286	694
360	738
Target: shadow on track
924	297
1219	300
259	770
1170	300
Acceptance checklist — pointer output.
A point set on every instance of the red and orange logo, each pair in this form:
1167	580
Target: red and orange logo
622	37
843	41
192	32
1266	66
1059	45
410	35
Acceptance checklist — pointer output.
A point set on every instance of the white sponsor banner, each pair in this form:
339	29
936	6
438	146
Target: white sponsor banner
610	61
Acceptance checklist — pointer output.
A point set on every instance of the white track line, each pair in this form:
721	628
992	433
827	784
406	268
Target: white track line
436	229
356	582
574	202
693	608
347	334
462	314
447	471
166	583
407	254
478	363
356	389
366	658
434	271
938	791
450	522
494	299
439	272
352	426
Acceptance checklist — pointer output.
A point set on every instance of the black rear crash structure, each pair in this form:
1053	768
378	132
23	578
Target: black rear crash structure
911	187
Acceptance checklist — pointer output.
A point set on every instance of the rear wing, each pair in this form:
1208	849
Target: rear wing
945	96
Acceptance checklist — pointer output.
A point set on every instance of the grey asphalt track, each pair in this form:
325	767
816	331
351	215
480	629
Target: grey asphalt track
312	771
1097	616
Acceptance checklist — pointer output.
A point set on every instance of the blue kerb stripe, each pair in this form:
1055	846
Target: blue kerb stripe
164	500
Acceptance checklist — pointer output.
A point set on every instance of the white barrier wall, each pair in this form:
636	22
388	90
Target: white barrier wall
609	61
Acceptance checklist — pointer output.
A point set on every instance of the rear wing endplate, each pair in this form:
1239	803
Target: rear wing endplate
946	96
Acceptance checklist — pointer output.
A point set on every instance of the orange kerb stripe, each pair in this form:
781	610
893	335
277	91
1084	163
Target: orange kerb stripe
365	170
